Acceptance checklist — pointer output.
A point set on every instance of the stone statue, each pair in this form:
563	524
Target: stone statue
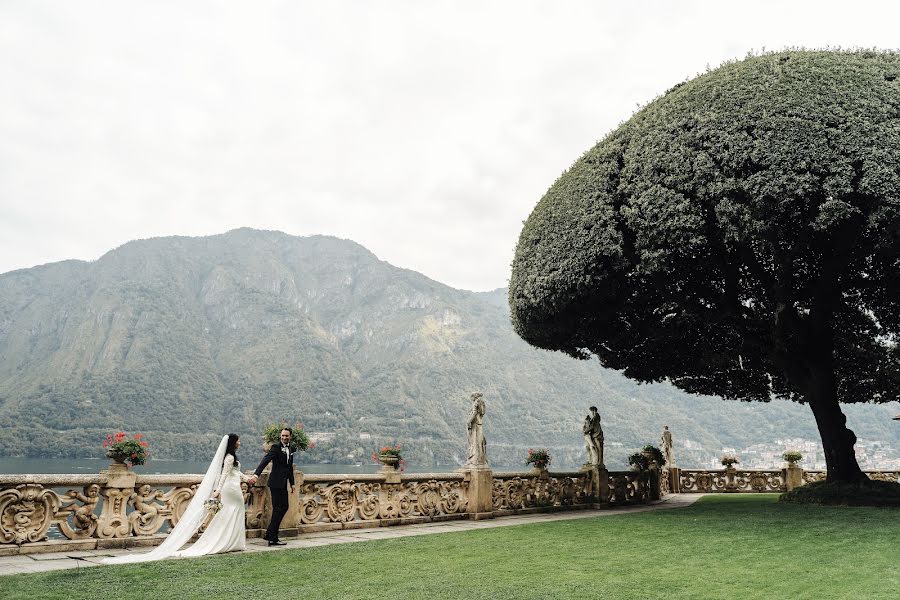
477	443
593	438
84	517
146	510
588	441
666	443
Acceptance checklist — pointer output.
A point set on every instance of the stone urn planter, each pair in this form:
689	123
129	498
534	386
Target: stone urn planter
117	457
540	471
793	473
651	459
390	461
791	458
730	475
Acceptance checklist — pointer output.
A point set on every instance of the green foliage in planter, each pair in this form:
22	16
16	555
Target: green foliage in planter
639	461
133	451
792	456
729	460
299	440
656	454
540	458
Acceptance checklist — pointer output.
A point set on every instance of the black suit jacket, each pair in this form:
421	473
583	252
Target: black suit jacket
282	468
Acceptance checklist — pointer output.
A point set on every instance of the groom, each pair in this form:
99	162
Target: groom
281	455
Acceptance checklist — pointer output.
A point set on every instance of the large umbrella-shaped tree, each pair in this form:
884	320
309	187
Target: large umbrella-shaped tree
739	237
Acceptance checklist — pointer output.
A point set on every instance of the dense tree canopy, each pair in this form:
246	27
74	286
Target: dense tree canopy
739	236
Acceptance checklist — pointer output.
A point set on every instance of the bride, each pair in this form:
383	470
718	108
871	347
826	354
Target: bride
226	531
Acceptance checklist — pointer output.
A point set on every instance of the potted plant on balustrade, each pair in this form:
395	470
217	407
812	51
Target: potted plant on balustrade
793	474
654	455
728	461
639	461
539	458
792	457
390	457
124	450
299	439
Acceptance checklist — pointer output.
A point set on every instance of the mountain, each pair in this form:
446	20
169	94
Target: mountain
184	339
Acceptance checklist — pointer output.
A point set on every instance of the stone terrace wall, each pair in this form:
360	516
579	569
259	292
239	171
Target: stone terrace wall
118	508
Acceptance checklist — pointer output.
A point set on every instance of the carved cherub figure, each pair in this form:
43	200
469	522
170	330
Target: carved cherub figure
83	517
145	507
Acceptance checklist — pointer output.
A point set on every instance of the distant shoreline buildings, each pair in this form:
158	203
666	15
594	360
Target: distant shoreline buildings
871	455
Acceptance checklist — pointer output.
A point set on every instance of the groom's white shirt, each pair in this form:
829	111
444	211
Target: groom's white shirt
287	451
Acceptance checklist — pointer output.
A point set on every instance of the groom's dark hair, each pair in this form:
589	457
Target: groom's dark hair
289	430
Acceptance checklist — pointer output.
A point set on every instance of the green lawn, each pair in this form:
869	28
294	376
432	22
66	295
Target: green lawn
725	546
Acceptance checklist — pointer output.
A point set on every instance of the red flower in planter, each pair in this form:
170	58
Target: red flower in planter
120	447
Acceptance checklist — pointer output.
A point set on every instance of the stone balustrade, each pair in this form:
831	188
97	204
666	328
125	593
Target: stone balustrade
386	498
892	476
731	480
112	505
755	480
519	491
118	507
633	487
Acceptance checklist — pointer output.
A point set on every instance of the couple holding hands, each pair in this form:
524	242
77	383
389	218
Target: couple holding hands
226	531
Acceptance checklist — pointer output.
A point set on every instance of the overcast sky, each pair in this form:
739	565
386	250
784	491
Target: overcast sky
426	131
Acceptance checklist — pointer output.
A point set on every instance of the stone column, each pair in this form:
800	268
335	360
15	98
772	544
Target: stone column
480	492
675	480
655	493
599	484
730	473
793	476
119	487
391	474
292	516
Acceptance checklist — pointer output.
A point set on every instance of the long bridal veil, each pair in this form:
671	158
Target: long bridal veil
189	522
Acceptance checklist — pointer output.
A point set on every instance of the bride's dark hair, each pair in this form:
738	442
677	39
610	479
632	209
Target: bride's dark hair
230	447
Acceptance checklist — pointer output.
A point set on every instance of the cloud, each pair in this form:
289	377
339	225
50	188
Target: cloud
424	131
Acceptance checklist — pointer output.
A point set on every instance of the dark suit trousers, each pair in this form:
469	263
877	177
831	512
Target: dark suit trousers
279	508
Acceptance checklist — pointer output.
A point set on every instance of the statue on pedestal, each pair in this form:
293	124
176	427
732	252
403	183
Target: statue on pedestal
477	443
666	443
593	438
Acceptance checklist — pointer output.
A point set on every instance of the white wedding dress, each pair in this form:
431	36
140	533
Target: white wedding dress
225	532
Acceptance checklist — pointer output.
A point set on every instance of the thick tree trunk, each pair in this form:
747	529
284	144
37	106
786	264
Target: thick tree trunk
837	439
805	349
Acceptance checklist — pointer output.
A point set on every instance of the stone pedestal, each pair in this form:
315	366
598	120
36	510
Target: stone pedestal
675	480
793	476
113	521
391	474
601	478
292	517
599	482
654	483
730	474
480	493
